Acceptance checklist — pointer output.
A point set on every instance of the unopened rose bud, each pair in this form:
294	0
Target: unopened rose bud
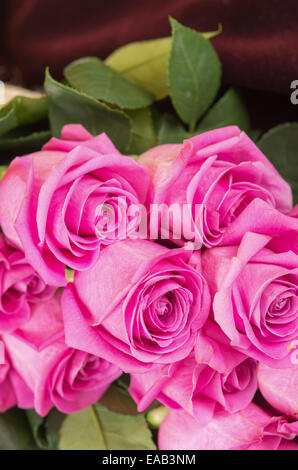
69	274
155	417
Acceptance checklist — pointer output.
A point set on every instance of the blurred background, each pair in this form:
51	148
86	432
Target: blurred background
258	46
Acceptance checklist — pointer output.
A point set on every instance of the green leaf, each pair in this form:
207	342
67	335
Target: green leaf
170	130
14	430
82	431
280	145
118	400
143	134
145	63
97	428
15	141
21	111
8	121
229	110
194	73
67	106
254	134
45	430
17	120
93	77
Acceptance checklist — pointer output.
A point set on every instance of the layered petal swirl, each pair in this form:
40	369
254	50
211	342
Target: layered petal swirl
216	175
141	304
67	201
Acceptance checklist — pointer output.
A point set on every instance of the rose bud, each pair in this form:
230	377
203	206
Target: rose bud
280	387
67	201
255	297
20	286
56	374
141	304
218	378
249	429
217	175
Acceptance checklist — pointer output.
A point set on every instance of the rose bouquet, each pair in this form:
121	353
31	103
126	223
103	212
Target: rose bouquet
149	270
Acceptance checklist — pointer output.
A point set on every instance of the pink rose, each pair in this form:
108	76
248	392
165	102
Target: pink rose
197	387
141	304
20	286
56	374
249	429
255	296
294	212
61	204
9	381
217	175
45	325
280	388
7	395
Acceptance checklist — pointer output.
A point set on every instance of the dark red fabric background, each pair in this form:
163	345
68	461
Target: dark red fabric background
258	46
